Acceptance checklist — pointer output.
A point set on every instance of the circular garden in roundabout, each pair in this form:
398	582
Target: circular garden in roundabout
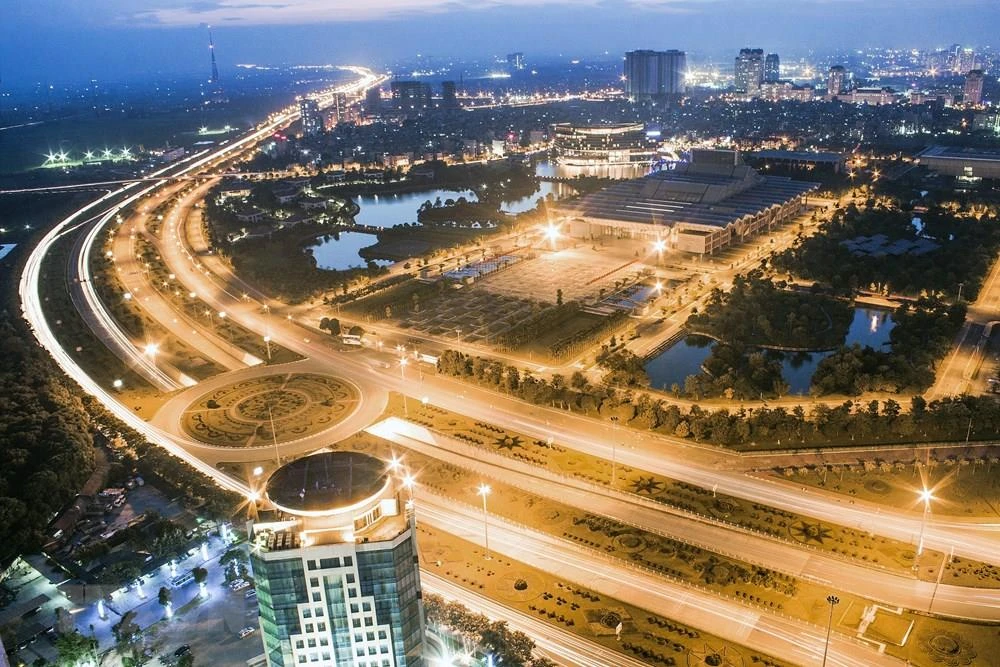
273	408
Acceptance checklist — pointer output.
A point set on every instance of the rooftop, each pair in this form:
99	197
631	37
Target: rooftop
707	191
326	482
960	153
805	156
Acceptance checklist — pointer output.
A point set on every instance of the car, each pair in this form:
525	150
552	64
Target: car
181	650
247	631
239	586
251	594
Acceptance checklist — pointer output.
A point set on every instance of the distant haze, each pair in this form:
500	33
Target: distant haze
71	40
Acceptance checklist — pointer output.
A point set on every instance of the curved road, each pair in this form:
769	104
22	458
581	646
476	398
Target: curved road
202	272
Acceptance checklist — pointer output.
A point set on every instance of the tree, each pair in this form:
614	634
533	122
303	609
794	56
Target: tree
128	641
200	575
75	649
165	596
234	555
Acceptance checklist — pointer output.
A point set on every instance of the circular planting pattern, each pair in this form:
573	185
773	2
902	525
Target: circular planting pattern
723	508
519	587
715	657
878	486
630	543
241	414
610	619
551	517
276	404
948	648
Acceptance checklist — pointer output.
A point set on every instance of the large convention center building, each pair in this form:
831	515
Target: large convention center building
698	206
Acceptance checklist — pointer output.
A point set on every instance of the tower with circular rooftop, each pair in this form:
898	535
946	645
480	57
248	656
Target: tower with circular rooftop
336	568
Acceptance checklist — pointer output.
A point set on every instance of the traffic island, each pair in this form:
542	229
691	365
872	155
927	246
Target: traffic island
271	409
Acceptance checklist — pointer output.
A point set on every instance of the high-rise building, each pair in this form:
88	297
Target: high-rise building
373	101
749	71
449	95
655	75
515	61
966	61
338	582
974	87
312	119
772	68
339	110
411	96
836	81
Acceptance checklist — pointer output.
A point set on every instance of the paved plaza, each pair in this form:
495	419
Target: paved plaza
579	272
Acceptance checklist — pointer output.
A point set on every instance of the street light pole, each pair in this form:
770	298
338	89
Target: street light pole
833	601
925	496
484	490
614	452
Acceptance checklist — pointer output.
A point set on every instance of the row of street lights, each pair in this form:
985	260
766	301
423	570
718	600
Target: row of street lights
926	496
395	465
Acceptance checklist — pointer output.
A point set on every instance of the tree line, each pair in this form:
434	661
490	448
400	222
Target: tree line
851	422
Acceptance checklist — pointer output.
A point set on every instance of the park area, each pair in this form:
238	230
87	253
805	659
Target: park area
270	409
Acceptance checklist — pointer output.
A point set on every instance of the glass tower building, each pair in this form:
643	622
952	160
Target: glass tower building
336	567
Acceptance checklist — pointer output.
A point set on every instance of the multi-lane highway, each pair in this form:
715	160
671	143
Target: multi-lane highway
794	641
184	249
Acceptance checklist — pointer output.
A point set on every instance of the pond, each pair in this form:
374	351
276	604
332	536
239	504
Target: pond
870	326
339	251
528	202
388	210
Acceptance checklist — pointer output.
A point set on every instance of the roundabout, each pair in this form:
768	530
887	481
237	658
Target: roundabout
264	410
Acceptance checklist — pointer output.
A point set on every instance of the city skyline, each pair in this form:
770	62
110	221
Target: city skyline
55	40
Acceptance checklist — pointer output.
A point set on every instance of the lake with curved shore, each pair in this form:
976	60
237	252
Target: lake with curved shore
389	210
869	327
339	251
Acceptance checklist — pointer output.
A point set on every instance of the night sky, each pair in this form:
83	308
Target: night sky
71	40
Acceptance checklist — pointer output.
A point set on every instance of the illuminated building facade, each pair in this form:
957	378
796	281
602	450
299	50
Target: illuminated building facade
749	71
599	145
312	119
973	91
700	206
772	68
338	581
411	96
836	81
655	76
780	91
